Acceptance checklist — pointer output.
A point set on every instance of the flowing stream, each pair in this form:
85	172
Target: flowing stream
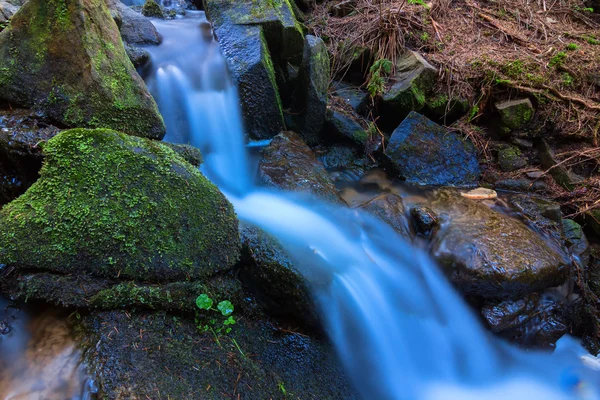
399	328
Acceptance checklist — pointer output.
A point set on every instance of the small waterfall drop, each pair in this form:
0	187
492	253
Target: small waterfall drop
400	329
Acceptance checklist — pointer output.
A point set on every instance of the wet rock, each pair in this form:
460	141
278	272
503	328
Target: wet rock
4	328
125	349
425	153
189	153
21	133
7	10
151	9
534	321
521	185
346	126
542	215
313	81
258	39
413	79
389	208
511	159
289	164
93	85
357	98
490	255
424	220
480	193
559	172
136	30
576	241
271	276
117	206
137	55
515	113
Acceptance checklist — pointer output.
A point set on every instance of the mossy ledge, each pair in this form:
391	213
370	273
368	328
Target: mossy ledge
65	58
118	206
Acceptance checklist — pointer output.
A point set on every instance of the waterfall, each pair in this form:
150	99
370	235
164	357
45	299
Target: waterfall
400	329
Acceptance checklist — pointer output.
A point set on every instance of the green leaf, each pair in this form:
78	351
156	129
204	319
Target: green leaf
225	307
229	321
204	302
227	330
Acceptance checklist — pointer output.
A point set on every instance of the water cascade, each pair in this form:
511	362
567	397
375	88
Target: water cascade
400	329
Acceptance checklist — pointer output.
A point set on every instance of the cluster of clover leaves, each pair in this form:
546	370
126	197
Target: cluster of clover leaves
217	325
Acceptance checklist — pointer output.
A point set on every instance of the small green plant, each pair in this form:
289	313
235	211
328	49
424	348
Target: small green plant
424	36
592	40
281	388
513	68
217	326
473	113
572	46
567	79
378	70
584	9
558	59
419	2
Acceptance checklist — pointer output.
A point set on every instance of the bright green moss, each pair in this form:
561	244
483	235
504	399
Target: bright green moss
119	206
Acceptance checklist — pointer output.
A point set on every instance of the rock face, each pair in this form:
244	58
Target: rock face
515	113
490	255
271	276
346	126
257	38
425	153
313	81
136	30
114	206
289	164
389	208
410	84
66	59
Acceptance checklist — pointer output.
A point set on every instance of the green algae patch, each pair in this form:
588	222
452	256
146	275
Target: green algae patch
65	58
115	206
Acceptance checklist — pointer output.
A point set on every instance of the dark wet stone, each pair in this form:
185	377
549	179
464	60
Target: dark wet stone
425	153
521	185
445	110
424	220
559	172
576	241
135	29
357	98
189	153
289	164
270	275
511	159
490	255
313	83
346	126
139	354
390	209
138	56
534	321
4	328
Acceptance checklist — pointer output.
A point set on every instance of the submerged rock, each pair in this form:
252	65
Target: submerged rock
289	164
118	206
390	209
488	254
66	59
425	153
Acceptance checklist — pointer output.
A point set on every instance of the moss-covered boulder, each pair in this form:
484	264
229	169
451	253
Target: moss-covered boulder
289	164
345	125
425	153
510	158
152	9
66	59
490	255
114	205
515	113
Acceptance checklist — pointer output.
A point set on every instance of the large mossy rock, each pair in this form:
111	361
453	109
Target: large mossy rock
115	206
257	38
289	164
490	255
425	153
413	79
66	59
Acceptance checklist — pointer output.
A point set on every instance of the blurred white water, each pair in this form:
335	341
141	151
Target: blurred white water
399	328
